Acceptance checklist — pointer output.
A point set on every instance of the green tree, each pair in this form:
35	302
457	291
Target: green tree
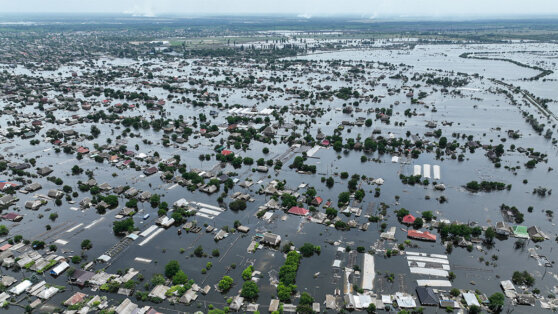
371	308
123	226
306	298
418	223
331	212
489	234
284	293
247	273
330	182
172	268
179	278
427	215
225	284
344	197
237	205
338	146
288	201
198	251
111	200
76	259
443	142
86	244
157	279
154	200
496	301
307	250
249	290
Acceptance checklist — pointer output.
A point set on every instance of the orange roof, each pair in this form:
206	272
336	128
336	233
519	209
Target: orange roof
415	234
408	219
298	211
76	298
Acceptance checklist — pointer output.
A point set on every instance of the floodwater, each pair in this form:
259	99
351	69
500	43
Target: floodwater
478	111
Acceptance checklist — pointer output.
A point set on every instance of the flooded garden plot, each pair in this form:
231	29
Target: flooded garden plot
331	180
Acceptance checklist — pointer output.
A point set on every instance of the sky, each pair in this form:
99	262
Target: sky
304	8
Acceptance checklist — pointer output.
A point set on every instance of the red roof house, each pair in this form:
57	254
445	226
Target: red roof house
83	150
75	299
408	219
325	143
5	247
12	217
5	185
317	201
298	211
419	235
226	152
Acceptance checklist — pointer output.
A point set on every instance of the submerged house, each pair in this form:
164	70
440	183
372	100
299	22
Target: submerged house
299	211
55	194
427	296
12	217
502	228
45	171
520	232
271	239
536	234
150	171
7	200
420	235
34	205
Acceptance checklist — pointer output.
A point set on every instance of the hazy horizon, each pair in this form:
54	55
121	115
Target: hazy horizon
367	9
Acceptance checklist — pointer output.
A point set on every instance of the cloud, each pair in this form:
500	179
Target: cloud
144	10
305	16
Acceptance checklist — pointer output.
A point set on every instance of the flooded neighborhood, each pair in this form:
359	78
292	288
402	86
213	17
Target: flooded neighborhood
277	165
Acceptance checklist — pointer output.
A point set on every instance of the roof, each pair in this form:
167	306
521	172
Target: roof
427	296
225	152
80	277
408	219
4	185
12	216
271	238
520	231
404	300
471	299
318	200
298	211
415	234
150	170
